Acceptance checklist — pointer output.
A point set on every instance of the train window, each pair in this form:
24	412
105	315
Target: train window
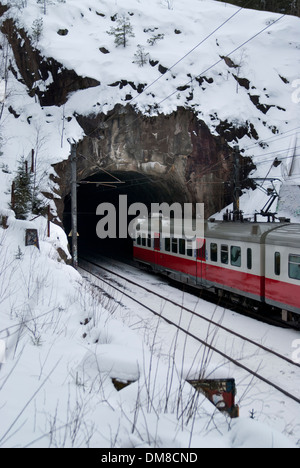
236	256
139	240
224	254
182	246
249	259
277	263
214	252
201	249
189	249
168	245
143	240
294	267
149	241
174	245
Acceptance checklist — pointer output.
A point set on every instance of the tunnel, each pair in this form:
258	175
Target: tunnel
106	187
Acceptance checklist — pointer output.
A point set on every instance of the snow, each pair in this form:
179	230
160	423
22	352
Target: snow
65	338
245	435
196	26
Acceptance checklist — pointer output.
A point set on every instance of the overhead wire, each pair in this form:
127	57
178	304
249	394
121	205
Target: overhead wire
208	170
192	50
271	139
281	159
212	169
275	152
205	71
262	155
227	55
174	65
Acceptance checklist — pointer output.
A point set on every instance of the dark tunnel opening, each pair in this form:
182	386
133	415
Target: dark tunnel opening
105	188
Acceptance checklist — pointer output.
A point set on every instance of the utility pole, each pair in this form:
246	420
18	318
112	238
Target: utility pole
237	184
74	204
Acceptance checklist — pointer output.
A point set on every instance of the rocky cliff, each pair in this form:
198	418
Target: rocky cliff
178	151
191	164
186	147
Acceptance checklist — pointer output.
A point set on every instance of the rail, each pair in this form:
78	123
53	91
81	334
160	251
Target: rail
188	333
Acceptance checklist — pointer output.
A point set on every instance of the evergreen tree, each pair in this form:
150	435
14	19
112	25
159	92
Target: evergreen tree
22	199
141	57
156	37
37	30
122	32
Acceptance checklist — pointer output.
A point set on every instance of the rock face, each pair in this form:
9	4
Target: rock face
176	151
182	160
33	69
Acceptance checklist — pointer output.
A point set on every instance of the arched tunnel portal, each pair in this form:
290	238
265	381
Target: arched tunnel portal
164	158
109	188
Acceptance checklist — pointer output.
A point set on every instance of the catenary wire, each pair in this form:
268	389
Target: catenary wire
191	50
209	68
176	63
274	138
181	59
205	71
227	55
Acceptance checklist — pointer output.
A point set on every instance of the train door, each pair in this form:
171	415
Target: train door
157	250
201	262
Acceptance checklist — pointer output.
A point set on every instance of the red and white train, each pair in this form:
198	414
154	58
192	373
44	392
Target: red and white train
258	261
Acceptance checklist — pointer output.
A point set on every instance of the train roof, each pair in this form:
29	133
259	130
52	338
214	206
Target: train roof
251	232
286	235
275	233
243	232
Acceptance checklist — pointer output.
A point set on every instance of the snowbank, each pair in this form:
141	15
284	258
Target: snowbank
66	346
246	433
65	338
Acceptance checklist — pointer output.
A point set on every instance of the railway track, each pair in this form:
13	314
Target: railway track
89	267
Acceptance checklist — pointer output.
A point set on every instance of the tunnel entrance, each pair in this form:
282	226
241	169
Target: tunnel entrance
104	188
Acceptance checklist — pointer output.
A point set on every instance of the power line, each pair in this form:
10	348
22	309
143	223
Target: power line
280	159
191	50
227	55
208	170
203	72
177	62
274	138
274	152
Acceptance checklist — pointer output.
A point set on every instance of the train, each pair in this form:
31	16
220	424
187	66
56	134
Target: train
254	262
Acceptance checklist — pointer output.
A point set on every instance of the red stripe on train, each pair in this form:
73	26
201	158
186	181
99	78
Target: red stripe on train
233	279
273	291
282	293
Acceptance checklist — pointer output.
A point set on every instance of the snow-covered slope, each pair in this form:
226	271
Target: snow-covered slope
64	339
239	68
